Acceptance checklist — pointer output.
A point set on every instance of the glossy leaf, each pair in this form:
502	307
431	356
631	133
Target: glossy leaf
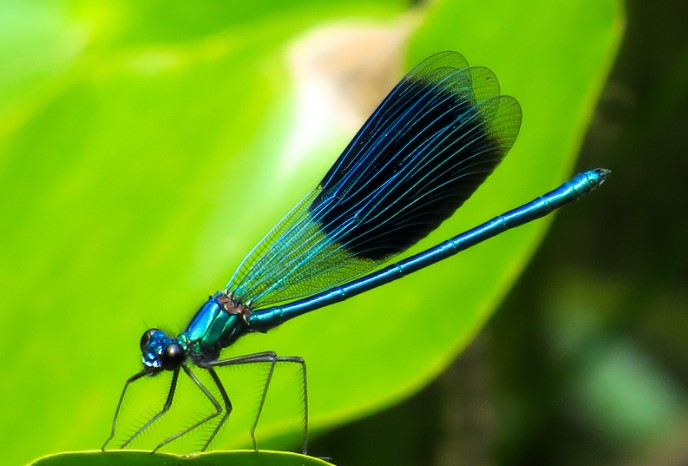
137	458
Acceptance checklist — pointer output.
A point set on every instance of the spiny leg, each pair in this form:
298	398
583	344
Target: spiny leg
271	358
256	358
228	406
212	399
302	364
168	403
131	379
267	356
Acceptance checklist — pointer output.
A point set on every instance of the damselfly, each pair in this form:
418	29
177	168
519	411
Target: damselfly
433	140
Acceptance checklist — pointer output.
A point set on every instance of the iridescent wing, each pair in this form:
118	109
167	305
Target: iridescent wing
428	146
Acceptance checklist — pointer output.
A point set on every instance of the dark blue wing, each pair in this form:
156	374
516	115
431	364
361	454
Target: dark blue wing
433	140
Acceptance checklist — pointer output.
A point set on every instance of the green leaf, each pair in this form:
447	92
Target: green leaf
144	149
137	458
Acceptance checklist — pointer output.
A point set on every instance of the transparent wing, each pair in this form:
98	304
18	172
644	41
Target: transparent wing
433	140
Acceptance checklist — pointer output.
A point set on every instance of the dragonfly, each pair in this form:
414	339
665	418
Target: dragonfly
439	133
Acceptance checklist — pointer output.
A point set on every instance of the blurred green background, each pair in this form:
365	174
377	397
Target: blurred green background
144	149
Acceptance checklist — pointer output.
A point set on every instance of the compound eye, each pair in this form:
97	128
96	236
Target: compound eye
172	357
146	338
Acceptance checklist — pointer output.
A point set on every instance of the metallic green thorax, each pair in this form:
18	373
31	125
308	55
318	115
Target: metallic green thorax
216	325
